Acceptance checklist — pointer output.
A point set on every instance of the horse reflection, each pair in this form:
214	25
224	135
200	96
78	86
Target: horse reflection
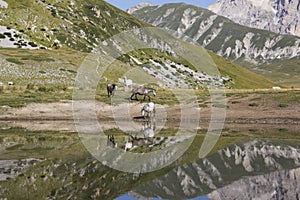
136	142
148	131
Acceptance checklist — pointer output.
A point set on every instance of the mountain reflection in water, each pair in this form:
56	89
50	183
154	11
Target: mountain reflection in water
56	165
257	169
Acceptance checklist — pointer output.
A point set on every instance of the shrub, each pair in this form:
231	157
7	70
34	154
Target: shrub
282	105
253	104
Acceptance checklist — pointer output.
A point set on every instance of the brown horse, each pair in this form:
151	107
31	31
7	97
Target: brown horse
142	91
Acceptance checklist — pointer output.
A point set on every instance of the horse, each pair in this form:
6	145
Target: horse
136	142
148	129
148	110
111	141
111	89
142	91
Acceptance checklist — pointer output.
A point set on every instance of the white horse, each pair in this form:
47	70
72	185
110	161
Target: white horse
148	129
148	110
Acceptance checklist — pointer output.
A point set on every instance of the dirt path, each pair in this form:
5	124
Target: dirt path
251	109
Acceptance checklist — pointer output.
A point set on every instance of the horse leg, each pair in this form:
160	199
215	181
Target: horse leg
113	93
131	96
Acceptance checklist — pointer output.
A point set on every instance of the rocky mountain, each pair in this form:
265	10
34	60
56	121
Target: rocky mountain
277	185
255	49
279	16
138	7
78	27
220	34
256	160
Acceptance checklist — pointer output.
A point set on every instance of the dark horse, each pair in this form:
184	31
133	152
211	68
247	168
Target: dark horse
111	89
142	91
111	141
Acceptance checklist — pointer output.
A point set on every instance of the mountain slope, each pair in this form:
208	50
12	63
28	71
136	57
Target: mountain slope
223	168
79	25
221	35
72	27
272	15
276	185
250	47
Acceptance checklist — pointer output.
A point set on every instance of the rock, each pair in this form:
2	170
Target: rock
272	15
138	7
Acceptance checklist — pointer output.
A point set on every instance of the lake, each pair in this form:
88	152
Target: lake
245	163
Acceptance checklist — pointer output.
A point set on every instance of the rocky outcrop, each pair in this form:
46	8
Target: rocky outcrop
272	15
139	6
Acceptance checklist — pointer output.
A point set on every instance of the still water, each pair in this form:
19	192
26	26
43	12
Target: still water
54	164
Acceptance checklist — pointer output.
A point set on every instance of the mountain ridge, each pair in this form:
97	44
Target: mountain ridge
245	159
254	48
277	16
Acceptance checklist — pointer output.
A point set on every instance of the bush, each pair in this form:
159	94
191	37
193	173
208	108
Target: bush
282	105
253	104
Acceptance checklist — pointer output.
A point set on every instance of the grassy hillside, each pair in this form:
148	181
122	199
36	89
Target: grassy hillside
79	24
243	78
286	72
67	32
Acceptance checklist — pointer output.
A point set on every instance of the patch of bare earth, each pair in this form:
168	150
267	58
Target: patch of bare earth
247	111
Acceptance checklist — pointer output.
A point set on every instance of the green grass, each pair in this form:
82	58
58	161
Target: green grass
51	21
19	96
15	61
36	144
242	78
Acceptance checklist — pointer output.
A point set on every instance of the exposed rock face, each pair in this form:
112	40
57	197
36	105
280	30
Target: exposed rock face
277	185
257	160
221	35
279	16
139	6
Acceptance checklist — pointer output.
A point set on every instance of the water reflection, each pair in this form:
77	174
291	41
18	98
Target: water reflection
252	169
282	184
266	163
142	138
